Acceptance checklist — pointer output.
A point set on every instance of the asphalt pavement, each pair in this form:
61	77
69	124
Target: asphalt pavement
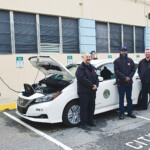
109	134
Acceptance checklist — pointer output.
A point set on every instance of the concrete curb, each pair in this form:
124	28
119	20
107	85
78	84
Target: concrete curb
9	106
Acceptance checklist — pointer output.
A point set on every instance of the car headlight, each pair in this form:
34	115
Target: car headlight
47	98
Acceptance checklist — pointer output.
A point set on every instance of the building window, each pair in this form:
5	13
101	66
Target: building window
70	35
25	33
139	39
115	38
128	39
5	33
101	37
49	34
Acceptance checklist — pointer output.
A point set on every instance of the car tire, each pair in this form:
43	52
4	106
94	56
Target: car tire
71	114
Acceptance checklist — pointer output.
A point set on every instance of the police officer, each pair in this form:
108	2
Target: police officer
124	69
87	83
144	74
93	55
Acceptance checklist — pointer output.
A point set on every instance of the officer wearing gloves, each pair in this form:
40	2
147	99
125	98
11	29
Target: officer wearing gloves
144	74
124	69
87	84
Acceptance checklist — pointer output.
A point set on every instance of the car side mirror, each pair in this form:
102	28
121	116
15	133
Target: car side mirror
100	79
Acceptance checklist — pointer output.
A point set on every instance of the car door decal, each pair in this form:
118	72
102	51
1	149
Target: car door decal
106	94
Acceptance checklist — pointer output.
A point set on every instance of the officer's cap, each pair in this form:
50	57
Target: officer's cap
123	48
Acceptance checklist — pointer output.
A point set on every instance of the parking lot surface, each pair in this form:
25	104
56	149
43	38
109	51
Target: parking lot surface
110	133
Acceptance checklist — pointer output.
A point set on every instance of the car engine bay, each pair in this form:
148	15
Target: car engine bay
46	86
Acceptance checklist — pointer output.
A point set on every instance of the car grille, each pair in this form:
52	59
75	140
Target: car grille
22	102
22	110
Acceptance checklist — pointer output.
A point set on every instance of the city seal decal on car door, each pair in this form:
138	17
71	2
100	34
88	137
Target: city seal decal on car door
106	93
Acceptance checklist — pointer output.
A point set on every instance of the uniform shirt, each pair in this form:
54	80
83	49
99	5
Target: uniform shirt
124	67
144	70
86	78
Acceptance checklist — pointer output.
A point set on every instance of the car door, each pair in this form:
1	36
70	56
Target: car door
107	93
136	87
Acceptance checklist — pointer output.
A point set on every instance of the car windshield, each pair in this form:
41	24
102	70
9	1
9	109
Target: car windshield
72	68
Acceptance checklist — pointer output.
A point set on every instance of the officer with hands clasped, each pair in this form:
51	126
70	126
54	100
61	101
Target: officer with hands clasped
144	74
124	69
87	84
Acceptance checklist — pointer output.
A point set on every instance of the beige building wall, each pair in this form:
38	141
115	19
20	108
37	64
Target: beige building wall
131	12
16	77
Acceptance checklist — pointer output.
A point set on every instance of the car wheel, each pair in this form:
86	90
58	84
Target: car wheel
71	114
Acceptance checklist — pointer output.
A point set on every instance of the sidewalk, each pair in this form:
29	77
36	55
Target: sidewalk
7	104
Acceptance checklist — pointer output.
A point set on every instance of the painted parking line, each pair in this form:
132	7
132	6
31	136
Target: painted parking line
142	141
38	132
148	119
143	118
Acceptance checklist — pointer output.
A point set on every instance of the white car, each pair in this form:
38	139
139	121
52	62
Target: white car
54	99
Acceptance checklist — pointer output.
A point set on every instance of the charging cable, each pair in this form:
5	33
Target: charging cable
9	87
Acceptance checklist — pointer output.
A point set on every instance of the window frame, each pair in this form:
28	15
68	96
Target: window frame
108	69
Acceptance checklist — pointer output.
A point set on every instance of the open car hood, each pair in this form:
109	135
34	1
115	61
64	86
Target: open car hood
48	66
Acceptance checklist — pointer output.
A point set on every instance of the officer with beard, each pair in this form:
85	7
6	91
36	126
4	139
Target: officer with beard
124	69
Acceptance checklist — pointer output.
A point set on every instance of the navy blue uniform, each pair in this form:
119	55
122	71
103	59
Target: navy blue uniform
144	74
124	67
86	78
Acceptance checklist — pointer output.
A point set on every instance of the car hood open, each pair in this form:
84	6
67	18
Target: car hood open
48	66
